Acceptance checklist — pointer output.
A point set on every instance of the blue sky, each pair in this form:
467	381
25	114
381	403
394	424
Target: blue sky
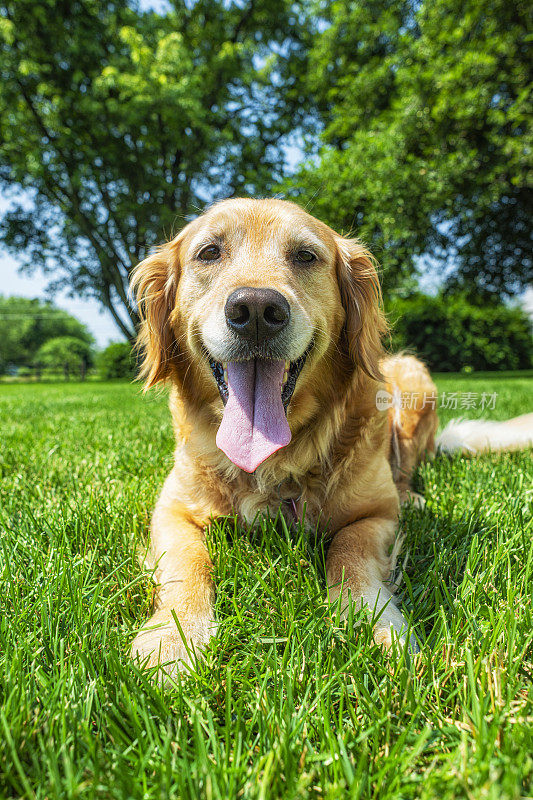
99	322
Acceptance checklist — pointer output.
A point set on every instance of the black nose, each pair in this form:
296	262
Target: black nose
256	314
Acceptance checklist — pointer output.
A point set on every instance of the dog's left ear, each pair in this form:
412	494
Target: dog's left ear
365	324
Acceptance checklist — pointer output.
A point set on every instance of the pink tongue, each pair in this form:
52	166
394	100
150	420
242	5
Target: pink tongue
254	424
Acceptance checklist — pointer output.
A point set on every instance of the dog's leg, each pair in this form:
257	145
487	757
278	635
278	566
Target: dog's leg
184	589
358	565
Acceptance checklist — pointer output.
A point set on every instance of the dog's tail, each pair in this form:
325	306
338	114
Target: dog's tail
483	435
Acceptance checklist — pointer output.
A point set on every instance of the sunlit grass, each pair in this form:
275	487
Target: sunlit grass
288	703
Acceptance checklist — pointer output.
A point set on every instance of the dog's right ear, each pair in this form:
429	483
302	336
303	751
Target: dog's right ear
154	283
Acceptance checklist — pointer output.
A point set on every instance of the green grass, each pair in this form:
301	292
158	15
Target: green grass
288	703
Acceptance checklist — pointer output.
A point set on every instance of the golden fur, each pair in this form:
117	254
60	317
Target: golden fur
413	419
337	464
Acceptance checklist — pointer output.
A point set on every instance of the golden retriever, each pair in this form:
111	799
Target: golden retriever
269	327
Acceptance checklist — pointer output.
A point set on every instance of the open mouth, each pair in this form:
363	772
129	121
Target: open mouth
291	373
256	394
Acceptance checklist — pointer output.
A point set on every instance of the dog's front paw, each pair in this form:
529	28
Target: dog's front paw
160	643
391	626
386	619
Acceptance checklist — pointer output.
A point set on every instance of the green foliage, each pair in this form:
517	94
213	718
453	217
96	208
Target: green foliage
26	324
451	334
121	123
289	702
116	361
427	142
72	356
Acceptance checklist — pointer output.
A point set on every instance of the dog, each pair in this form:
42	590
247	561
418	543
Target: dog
269	327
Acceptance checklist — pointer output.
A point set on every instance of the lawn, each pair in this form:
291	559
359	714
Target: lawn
289	703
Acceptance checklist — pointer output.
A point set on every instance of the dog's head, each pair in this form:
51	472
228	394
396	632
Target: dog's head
257	299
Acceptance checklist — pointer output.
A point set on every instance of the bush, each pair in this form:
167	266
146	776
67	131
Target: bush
117	361
65	353
25	372
451	335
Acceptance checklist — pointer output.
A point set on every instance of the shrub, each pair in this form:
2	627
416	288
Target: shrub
451	335
117	361
66	353
25	372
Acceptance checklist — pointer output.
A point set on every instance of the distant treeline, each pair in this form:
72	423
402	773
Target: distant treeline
41	342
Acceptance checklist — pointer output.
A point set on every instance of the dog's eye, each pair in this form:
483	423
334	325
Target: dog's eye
209	253
305	256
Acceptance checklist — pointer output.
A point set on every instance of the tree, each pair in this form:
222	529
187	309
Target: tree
66	353
26	324
121	123
427	140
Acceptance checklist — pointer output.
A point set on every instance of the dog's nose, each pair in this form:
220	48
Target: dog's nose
256	314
